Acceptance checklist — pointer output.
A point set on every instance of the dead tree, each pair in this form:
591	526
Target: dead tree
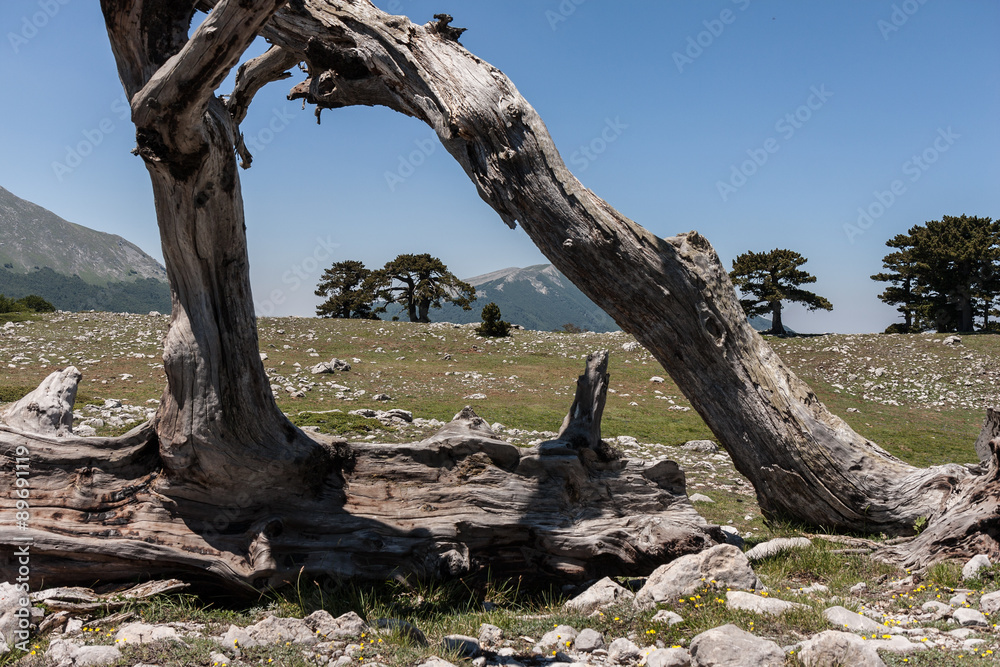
221	484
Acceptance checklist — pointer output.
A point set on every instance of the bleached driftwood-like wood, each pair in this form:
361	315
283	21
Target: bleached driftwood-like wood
48	410
222	485
462	501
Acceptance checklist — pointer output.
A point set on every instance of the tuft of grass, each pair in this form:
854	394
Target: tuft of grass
337	423
947	574
819	564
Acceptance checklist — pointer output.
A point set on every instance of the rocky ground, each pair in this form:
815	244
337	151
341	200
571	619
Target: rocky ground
908	623
919	396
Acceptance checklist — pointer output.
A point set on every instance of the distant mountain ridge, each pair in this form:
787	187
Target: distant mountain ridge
72	266
32	237
536	297
539	297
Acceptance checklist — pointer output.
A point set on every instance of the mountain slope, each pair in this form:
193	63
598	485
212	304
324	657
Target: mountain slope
74	267
536	297
32	237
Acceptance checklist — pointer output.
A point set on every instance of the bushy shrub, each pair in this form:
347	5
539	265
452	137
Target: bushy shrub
493	326
37	304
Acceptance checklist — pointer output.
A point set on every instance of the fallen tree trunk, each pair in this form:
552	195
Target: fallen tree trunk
220	483
462	501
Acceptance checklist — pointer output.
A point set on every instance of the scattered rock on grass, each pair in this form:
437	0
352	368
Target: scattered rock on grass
722	566
601	595
730	646
777	546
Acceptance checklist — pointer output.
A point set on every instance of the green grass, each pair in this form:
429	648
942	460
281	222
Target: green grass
529	381
337	423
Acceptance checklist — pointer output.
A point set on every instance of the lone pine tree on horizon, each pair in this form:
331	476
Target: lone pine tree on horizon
768	279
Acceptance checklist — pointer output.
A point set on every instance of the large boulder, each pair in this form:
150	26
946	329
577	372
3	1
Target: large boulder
730	646
723	566
48	410
604	593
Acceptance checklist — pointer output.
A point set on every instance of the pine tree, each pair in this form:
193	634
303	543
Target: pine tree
350	291
955	260
419	283
905	289
493	326
769	278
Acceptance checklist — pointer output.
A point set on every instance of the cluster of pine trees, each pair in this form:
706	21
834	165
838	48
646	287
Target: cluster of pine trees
945	275
415	282
942	275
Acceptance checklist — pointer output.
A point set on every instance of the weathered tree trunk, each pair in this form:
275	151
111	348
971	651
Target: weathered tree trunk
777	327
220	483
460	501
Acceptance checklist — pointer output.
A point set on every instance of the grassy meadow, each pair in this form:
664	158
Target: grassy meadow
921	400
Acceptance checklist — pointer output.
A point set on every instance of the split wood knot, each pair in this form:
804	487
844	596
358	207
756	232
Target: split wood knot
443	28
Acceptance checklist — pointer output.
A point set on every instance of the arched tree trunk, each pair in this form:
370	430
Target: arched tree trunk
220	483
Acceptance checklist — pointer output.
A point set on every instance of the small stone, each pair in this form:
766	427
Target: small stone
490	635
93	656
657	379
759	604
975	564
722	566
589	640
560	638
144	633
604	593
858	588
990	603
833	647
853	622
700	498
730	645
623	650
970	618
668	617
467	647
777	546
381	397
668	657
952	340
703	446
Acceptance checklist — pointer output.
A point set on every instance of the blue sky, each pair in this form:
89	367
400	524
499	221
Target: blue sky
759	124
